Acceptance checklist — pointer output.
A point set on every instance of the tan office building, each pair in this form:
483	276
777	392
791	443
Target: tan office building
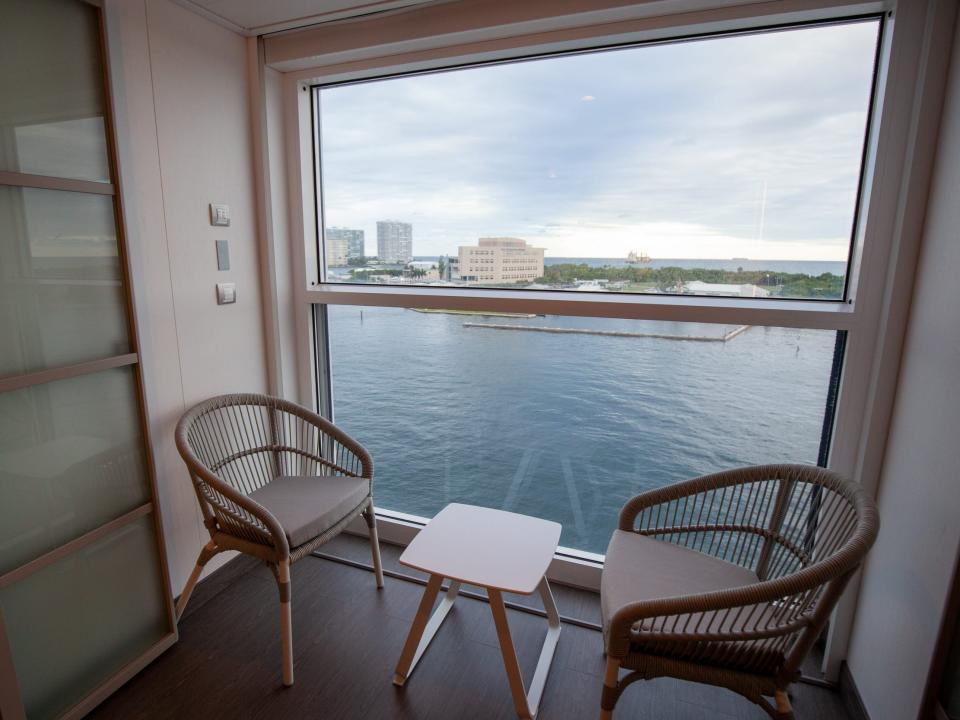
500	260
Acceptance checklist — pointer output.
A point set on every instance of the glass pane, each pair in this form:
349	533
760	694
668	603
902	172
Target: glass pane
723	166
51	117
78	621
61	299
70	460
566	418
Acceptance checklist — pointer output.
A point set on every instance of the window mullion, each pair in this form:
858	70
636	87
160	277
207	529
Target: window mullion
787	313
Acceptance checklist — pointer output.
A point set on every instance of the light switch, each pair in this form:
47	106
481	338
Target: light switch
219	215
226	293
223	255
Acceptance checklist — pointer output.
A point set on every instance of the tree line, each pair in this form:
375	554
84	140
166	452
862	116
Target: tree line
825	285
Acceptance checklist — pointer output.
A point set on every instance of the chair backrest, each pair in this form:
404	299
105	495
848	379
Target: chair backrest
236	444
772	519
815	513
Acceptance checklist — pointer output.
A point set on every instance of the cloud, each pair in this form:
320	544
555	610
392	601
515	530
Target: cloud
750	144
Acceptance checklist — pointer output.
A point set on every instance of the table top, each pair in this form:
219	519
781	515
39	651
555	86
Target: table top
481	546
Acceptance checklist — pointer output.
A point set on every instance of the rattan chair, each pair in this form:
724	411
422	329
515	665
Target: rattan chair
275	481
728	579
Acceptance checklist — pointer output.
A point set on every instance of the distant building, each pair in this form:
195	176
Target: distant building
696	287
343	244
394	241
451	268
500	260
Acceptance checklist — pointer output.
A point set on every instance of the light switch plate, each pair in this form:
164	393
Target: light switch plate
223	255
219	214
226	293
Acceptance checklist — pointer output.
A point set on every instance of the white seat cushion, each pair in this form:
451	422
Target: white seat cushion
308	505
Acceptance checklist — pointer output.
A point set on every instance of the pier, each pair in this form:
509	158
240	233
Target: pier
611	333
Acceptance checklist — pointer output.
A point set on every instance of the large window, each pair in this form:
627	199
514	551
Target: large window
700	194
721	166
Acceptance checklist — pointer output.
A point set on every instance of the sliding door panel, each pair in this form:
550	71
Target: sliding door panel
61	295
70	460
51	82
76	622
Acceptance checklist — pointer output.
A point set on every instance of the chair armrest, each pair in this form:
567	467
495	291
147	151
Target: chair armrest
209	487
740	613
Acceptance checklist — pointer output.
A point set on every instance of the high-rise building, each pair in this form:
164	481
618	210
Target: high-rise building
500	260
394	241
343	244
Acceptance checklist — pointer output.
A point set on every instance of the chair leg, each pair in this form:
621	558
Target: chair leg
371	519
286	622
610	679
784	708
208	551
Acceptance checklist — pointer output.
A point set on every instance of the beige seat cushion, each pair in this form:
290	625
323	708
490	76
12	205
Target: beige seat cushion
641	568
307	506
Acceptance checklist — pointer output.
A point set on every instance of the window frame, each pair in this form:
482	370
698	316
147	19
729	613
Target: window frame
880	273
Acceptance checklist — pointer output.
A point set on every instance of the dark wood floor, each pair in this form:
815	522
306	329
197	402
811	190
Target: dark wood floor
348	636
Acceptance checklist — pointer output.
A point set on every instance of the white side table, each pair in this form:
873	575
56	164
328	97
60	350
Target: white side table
500	551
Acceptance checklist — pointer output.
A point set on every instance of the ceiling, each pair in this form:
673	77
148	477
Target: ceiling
256	17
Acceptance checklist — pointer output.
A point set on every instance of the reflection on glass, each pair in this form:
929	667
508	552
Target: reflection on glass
70	460
74	623
51	117
70	148
566	418
61	300
724	166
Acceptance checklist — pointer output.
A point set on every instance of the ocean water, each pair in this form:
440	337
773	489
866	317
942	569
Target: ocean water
567	426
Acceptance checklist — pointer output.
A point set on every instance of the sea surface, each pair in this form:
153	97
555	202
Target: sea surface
567	426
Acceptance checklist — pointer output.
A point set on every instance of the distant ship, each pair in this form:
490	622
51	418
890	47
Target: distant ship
635	259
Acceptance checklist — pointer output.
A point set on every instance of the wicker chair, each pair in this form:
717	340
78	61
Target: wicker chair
728	579
275	481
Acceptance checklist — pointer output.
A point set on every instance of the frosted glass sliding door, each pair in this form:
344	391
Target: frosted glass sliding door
84	595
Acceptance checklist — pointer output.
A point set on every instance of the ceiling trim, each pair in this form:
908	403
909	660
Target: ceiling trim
367	8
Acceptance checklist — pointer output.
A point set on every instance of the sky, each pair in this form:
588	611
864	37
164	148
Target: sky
744	146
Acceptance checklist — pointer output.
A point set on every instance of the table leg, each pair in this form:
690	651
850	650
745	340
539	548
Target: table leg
526	704
424	626
549	646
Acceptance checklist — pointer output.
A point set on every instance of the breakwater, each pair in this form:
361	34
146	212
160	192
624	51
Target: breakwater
480	313
612	333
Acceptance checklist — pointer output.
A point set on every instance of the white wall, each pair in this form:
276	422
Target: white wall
907	576
185	140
